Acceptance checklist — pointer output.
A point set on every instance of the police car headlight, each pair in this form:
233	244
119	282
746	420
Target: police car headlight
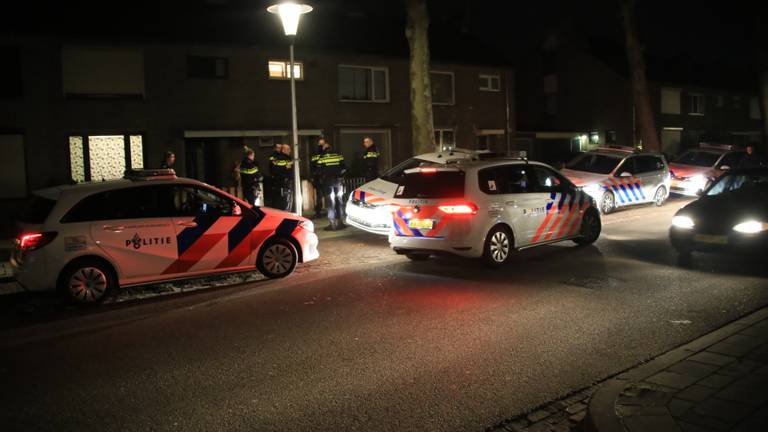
699	181
308	225
750	227
683	222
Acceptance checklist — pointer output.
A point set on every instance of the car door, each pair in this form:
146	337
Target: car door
563	205
213	232
649	175
133	227
628	186
510	199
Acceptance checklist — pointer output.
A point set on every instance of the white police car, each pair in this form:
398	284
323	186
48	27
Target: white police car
367	207
620	176
89	239
488	209
695	169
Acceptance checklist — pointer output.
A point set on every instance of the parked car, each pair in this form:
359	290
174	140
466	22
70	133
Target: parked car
694	170
89	239
620	176
488	208
730	216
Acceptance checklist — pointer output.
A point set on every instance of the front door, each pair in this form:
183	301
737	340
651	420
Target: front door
133	227
564	205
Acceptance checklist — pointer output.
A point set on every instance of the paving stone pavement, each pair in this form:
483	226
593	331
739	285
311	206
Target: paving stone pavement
718	382
563	415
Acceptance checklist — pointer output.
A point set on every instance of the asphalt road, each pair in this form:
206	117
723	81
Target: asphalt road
354	343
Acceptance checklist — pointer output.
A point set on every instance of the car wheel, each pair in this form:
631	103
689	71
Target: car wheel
87	281
417	256
498	246
607	203
660	196
590	228
277	258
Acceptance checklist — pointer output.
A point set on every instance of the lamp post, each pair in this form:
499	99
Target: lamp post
290	13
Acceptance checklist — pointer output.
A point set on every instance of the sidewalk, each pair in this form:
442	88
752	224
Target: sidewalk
718	382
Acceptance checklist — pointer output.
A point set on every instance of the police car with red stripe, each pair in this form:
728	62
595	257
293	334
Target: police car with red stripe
488	208
88	239
367	207
621	176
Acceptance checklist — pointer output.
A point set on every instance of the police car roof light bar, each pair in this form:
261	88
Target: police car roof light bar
150	174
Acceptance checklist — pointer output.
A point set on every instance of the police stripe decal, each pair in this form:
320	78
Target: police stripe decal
187	237
242	229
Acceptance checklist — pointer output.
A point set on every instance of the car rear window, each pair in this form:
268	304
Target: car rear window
440	184
37	210
698	158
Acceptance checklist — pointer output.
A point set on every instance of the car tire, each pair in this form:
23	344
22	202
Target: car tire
87	281
590	228
277	258
607	203
498	247
660	196
417	256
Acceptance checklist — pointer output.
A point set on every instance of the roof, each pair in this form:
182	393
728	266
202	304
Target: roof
88	188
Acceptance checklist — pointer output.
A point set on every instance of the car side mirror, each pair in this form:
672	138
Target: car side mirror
725	167
699	192
625	174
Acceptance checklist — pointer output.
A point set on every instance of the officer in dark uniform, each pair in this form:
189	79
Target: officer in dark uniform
370	160
332	169
751	159
250	177
288	183
169	159
280	175
314	170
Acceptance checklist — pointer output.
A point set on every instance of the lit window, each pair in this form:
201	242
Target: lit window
104	157
278	69
445	138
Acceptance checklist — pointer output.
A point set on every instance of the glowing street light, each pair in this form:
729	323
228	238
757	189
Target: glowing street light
290	13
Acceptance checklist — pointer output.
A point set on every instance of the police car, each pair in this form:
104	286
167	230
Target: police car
488	209
620	176
367	207
696	169
88	239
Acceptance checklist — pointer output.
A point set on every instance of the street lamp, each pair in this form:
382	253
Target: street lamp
290	13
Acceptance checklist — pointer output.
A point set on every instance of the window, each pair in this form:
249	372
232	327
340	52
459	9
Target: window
278	69
546	180
670	101
13	176
648	164
104	157
629	166
490	83
194	202
445	138
696	104
506	179
129	203
610	137
442	88
594	137
207	67
719	101
363	84
102	72
37	210
440	184
731	160
594	163
11	82
754	109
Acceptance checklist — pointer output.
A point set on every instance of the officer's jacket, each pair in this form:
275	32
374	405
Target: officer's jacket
371	162
280	166
331	166
249	172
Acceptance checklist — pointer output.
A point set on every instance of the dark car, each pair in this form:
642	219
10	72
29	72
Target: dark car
730	216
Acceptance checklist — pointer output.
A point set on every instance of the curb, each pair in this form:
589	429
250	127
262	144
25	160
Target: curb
601	412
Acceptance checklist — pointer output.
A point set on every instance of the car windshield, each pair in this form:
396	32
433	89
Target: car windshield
697	158
748	183
594	163
396	172
440	184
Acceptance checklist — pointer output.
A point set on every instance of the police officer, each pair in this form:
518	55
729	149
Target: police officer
332	169
250	177
751	159
314	170
168	160
280	175
370	160
288	183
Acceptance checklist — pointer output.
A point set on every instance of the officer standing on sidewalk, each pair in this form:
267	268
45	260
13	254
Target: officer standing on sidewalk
332	169
250	177
370	160
314	170
288	182
280	175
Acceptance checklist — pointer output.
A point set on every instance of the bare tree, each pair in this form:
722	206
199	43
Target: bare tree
642	101
416	31
762	64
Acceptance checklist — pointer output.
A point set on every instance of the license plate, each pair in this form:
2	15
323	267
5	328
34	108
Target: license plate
420	223
713	239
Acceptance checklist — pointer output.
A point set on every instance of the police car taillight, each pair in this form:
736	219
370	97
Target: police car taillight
466	209
34	241
428	170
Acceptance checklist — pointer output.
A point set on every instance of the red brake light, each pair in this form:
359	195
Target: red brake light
32	241
428	170
468	208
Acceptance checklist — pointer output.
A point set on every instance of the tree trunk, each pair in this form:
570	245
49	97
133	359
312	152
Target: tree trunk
416	31
641	98
762	64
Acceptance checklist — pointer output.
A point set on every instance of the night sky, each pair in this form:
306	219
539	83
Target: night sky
715	42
